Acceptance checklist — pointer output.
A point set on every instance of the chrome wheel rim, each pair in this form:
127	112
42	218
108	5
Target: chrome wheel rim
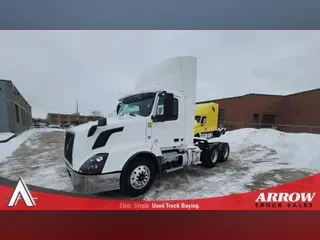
140	177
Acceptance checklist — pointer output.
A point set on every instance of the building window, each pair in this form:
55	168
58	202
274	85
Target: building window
17	113
26	118
23	117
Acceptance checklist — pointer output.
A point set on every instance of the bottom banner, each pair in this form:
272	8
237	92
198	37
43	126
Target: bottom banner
160	224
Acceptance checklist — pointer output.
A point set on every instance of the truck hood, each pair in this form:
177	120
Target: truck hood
112	122
119	131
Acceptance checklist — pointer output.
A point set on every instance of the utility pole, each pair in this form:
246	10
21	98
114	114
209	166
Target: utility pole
77	108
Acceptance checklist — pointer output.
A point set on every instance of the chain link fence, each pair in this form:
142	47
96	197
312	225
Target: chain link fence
281	127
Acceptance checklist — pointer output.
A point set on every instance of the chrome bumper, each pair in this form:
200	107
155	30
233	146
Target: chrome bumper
94	183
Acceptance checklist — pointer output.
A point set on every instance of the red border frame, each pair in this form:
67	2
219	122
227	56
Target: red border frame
179	224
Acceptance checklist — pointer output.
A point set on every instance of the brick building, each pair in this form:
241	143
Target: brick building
15	111
297	112
69	119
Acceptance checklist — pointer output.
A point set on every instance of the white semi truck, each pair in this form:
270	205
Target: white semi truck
152	134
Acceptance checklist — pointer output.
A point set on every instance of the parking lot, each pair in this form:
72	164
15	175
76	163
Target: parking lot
258	159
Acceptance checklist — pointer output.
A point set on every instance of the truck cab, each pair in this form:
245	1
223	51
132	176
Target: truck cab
207	121
152	134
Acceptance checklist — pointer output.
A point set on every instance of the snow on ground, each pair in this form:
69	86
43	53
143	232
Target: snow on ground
258	159
5	136
7	148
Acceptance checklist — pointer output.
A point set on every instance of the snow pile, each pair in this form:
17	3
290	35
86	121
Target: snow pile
236	136
7	148
300	150
5	136
53	126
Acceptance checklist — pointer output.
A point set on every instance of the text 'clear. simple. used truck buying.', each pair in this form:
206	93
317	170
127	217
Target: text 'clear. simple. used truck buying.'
152	134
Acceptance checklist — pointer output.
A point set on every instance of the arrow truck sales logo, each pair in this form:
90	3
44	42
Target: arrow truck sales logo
284	199
21	191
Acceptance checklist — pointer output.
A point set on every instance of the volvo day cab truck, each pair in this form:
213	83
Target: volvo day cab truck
152	134
207	121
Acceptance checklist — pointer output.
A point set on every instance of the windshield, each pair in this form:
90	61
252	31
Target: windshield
140	104
197	119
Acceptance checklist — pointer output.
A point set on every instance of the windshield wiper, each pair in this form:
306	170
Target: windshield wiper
132	114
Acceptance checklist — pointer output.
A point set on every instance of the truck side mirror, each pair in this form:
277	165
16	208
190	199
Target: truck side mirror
118	108
168	106
203	121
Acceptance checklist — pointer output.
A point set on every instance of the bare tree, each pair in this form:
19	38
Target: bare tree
97	113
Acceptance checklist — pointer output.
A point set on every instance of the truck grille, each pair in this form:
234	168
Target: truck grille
68	146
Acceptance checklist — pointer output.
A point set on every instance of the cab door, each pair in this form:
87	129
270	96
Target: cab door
168	132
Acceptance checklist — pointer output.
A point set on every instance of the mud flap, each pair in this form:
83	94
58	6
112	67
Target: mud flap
158	177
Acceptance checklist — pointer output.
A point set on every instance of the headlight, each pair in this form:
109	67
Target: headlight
203	135
94	165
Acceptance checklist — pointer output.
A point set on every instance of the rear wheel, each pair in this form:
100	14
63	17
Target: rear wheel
138	176
211	159
224	154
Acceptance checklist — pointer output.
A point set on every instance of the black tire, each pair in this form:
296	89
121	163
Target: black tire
129	177
211	159
225	152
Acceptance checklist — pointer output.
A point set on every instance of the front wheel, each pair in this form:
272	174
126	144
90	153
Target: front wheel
138	176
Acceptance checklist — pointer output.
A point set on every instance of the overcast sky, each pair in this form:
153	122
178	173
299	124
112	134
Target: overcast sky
54	69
